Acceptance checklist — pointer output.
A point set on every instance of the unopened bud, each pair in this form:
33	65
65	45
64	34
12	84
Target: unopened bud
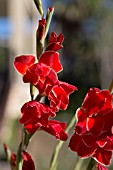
48	19
8	152
38	4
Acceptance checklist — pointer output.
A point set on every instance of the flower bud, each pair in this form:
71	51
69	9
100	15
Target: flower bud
40	37
8	152
41	29
48	19
38	4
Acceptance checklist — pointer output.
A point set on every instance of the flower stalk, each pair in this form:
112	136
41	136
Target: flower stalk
91	164
38	4
111	87
19	159
54	160
48	20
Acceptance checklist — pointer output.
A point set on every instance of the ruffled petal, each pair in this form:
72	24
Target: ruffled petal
109	145
51	58
54	46
67	87
35	115
100	167
81	115
95	125
78	145
55	38
32	126
108	121
58	98
56	129
74	142
23	62
89	141
102	156
35	73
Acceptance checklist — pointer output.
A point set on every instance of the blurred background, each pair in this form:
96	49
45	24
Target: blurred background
87	59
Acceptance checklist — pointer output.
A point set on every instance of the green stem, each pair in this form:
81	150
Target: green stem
48	21
79	164
31	92
91	164
19	157
54	160
23	146
111	87
71	124
26	139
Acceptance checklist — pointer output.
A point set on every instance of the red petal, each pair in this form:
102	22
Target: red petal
95	125
60	94
28	111
76	144
106	94
60	38
109	145
81	115
108	121
85	151
106	107
53	37
28	163
81	121
35	73
81	127
59	98
67	87
23	62
89	140
101	143
100	167
32	126
102	156
34	115
56	129
51	58
54	46
97	101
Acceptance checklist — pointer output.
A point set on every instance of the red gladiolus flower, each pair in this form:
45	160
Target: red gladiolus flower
55	42
23	62
28	163
56	129
97	107
35	115
59	95
86	145
93	131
